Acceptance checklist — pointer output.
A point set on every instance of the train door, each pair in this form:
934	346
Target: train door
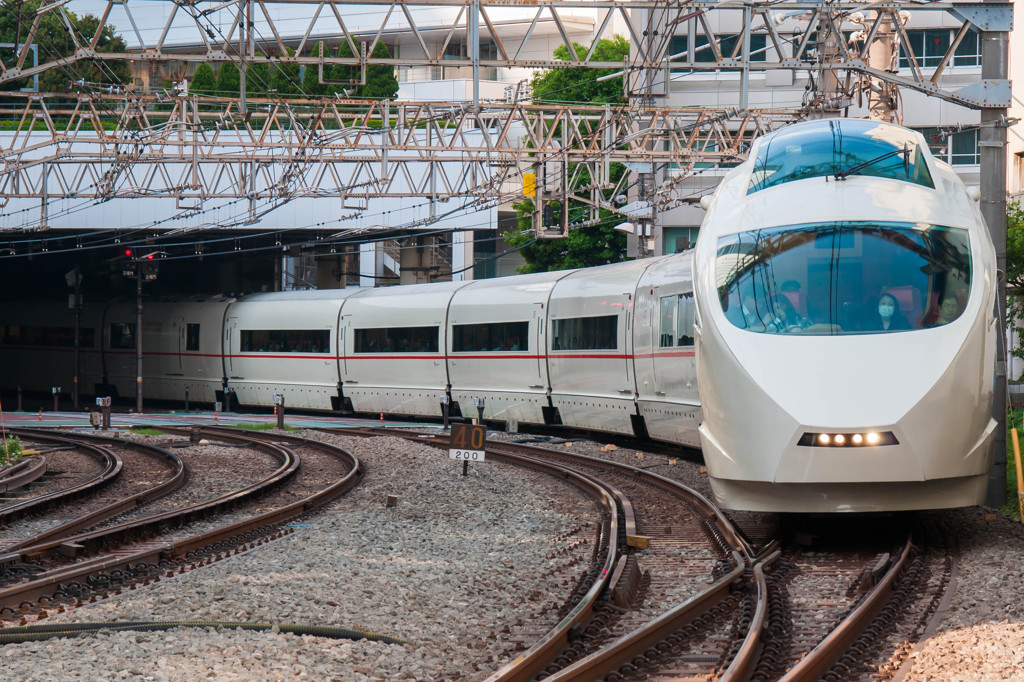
180	343
627	343
230	336
673	356
539	348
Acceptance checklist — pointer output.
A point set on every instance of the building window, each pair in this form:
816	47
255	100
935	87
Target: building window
499	336
397	340
958	149
122	335
703	53
285	341
930	44
192	337
586	333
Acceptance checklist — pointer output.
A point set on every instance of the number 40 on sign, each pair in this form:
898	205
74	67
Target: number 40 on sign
467	443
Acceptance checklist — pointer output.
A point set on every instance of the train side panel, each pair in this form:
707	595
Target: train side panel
181	349
284	343
37	343
663	349
590	343
497	346
394	349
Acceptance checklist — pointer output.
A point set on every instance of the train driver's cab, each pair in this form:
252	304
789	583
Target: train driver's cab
838	278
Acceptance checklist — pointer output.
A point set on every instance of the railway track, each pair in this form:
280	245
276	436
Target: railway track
83	565
778	611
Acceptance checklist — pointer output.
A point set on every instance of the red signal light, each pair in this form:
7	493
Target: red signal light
149	256
128	252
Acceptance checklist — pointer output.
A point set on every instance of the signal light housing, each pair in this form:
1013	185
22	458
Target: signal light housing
848	439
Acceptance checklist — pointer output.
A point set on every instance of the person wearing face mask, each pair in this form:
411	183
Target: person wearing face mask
886	317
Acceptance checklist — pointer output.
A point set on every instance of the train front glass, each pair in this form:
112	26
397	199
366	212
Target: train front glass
842	278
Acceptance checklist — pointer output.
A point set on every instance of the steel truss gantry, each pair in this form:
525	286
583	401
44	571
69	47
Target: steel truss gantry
130	145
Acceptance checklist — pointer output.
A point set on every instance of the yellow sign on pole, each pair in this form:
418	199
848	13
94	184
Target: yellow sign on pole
529	184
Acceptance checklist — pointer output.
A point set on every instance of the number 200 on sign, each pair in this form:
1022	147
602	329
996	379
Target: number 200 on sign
467	455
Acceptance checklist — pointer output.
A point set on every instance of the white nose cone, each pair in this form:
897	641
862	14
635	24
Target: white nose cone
705	201
974	192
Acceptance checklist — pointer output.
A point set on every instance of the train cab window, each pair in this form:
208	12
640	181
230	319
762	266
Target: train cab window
192	337
122	335
496	336
397	340
285	341
586	333
827	147
686	312
668	326
843	278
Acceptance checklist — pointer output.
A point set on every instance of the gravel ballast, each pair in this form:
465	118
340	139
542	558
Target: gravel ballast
454	570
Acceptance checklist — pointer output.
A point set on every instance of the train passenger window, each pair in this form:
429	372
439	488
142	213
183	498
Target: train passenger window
495	336
122	335
586	333
686	312
668	327
192	337
397	340
63	337
284	340
838	278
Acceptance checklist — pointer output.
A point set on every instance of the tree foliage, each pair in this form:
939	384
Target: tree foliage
54	41
203	81
229	79
582	85
1015	273
584	246
380	79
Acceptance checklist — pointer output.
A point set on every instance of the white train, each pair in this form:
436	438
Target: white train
807	406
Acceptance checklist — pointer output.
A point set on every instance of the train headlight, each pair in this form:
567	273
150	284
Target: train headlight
848	439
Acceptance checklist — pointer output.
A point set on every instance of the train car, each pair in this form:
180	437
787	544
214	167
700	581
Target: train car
497	347
393	357
845	335
37	347
283	343
181	346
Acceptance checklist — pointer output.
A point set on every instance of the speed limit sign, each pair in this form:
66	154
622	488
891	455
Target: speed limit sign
467	443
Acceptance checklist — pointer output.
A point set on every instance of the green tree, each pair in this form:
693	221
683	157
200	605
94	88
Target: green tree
311	76
594	244
229	80
380	79
581	85
203	81
285	77
54	41
1015	273
257	80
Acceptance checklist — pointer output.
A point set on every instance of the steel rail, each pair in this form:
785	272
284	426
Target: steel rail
21	474
94	541
162	553
110	462
624	649
812	666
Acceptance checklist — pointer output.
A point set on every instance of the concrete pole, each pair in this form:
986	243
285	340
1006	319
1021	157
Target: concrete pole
880	56
995	65
78	333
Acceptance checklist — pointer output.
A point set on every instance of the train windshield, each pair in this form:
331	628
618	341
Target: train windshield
825	148
844	278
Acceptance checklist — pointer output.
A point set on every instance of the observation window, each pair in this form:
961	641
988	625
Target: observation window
397	340
285	341
824	148
930	45
497	336
844	278
586	333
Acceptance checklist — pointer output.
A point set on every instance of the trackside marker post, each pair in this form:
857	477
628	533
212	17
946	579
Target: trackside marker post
467	444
